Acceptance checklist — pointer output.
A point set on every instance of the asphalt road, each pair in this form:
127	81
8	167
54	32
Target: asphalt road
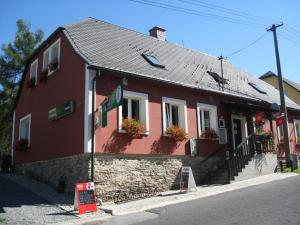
19	205
274	203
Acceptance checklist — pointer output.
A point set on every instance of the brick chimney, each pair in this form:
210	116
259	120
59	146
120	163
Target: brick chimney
158	32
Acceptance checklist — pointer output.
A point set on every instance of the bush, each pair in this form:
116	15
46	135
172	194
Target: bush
177	133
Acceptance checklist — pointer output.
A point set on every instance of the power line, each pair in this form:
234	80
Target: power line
198	13
227	11
289	39
247	46
293	30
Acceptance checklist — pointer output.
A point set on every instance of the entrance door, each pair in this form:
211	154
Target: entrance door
239	129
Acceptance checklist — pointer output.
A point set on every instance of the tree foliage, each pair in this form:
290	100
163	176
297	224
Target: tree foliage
12	63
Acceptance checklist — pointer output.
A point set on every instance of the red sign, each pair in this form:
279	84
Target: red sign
279	120
259	118
85	198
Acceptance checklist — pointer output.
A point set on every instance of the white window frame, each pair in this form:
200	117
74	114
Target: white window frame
36	70
278	133
213	116
49	49
29	130
296	132
182	112
144	112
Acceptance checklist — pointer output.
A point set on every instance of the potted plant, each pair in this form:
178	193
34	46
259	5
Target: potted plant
133	127
53	65
209	134
177	133
31	82
21	145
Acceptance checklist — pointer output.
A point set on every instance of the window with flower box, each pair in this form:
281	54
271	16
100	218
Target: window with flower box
24	128
297	131
33	73
174	113
135	106
207	118
51	60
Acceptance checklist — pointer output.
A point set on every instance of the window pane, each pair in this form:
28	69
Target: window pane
46	60
25	129
297	128
33	70
206	120
168	115
135	109
54	53
280	135
175	121
125	108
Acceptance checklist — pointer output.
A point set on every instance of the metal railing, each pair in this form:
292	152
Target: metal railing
240	156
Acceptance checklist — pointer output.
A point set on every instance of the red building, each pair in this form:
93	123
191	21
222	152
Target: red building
167	85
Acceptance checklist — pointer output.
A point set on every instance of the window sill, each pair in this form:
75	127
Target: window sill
143	134
209	139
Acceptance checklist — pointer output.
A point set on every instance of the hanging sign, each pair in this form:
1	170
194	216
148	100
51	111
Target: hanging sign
259	118
279	120
85	198
60	111
114	100
187	181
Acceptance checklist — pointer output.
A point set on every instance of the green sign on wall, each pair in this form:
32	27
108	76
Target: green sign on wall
60	111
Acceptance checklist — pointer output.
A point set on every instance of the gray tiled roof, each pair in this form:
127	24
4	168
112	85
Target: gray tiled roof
113	47
291	83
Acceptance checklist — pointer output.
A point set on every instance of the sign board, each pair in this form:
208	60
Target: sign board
114	100
187	181
60	111
85	198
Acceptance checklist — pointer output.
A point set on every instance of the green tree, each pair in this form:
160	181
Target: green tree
12	63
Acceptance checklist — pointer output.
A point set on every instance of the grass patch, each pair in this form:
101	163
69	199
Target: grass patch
288	170
2	221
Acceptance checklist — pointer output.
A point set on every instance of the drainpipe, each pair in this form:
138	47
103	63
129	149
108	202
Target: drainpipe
93	120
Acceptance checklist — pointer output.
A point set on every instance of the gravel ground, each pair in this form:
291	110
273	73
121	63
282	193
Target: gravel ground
19	205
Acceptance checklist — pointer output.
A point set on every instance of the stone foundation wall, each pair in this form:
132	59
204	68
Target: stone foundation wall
117	172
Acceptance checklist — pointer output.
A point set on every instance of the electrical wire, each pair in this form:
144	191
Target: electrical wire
289	39
198	13
247	46
229	11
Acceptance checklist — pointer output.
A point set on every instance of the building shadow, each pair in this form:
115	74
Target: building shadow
117	143
164	145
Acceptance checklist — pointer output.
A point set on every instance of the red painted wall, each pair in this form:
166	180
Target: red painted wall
109	140
66	135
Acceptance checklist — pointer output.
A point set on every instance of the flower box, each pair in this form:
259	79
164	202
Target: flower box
53	65
177	133
209	134
133	127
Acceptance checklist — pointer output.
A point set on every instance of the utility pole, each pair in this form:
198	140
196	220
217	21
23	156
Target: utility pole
221	58
282	100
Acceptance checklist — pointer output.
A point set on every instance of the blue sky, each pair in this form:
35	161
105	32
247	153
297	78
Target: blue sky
214	37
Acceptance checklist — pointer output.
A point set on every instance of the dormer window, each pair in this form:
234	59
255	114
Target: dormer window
51	58
217	78
152	60
257	88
